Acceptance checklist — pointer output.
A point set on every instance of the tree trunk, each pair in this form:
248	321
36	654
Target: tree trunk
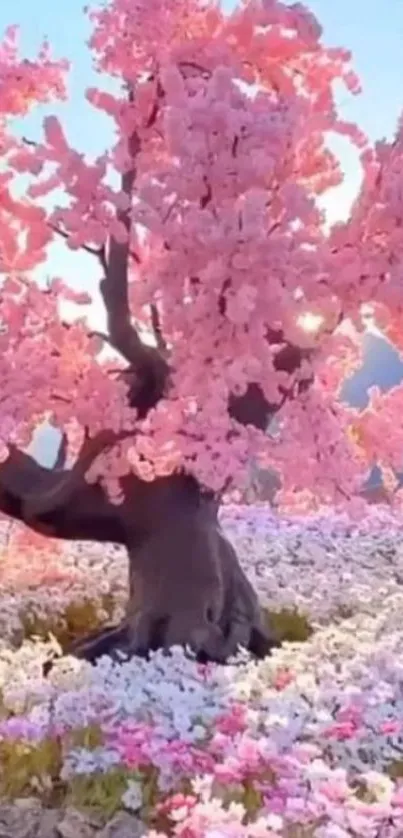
186	585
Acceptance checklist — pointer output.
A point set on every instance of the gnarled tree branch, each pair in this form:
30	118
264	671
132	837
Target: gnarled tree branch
57	492
147	362
85	515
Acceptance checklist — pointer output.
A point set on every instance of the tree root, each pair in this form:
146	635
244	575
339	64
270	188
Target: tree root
191	592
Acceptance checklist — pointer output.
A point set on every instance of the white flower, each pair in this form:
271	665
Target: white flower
133	797
380	784
271	821
332	830
202	786
354	660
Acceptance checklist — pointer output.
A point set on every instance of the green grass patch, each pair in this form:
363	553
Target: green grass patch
78	620
288	625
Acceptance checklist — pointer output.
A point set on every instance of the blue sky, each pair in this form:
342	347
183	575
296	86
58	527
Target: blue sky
371	29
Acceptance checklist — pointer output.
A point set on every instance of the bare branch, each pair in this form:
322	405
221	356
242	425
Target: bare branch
31	143
98	252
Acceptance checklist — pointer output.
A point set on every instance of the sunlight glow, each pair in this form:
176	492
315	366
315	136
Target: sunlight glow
310	322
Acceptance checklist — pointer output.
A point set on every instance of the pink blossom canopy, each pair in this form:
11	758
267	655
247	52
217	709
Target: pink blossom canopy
223	121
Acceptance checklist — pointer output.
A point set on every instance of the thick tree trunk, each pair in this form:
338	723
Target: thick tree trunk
186	585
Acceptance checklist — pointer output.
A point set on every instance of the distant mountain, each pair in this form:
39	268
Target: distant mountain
382	367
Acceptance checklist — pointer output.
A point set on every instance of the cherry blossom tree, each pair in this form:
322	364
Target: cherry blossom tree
214	261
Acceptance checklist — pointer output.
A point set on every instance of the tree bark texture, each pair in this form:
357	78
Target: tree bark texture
186	586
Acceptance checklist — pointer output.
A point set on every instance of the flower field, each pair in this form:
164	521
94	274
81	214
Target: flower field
307	744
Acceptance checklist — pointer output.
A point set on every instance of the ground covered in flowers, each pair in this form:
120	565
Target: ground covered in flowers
307	744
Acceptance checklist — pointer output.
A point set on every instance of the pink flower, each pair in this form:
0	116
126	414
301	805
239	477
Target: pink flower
176	803
390	726
334	790
397	799
341	730
232	722
282	678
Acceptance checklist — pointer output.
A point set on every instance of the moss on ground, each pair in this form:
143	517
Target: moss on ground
84	617
78	620
288	625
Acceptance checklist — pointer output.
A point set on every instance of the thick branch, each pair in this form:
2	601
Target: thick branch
56	493
61	453
145	361
86	515
115	285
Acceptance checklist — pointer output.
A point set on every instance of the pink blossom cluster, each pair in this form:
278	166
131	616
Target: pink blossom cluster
226	127
296	789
